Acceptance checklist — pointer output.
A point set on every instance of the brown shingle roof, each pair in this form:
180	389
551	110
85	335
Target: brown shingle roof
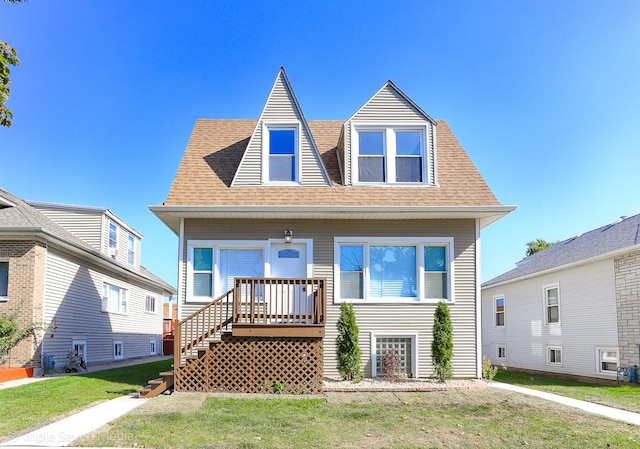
216	147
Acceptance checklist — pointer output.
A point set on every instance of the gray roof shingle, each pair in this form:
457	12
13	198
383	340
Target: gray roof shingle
611	238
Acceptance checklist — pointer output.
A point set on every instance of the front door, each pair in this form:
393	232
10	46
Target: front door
289	260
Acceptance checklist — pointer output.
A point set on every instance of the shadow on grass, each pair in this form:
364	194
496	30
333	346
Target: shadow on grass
133	374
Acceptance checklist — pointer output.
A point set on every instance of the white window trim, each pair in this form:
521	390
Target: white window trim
80	343
413	335
546	288
6	298
548	356
599	369
121	356
420	243
495	311
155	305
124	291
115	241
498	347
389	151
131	238
153	350
216	245
293	125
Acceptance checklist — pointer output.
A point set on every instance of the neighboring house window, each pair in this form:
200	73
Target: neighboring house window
118	350
379	270
403	346
501	352
607	360
150	304
131	250
552	304
4	280
113	236
212	266
499	310
282	154
152	347
80	348
554	355
114	299
393	155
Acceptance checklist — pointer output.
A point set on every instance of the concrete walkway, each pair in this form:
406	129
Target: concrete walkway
589	407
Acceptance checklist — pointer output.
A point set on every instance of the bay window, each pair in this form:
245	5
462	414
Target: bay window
396	270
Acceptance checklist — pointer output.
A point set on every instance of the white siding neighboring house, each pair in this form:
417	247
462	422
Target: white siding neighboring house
386	211
77	269
572	309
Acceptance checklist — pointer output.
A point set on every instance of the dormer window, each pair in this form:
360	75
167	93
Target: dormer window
389	155
281	151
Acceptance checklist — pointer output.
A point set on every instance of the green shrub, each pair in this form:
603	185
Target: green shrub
442	345
348	348
488	370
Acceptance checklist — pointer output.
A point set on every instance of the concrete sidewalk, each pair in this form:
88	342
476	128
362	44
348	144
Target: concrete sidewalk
589	407
63	432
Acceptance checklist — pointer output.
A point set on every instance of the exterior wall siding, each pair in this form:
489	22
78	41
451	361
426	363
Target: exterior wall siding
397	319
587	321
627	273
281	108
73	303
84	224
24	297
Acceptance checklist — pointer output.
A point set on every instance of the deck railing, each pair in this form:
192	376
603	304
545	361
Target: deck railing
272	301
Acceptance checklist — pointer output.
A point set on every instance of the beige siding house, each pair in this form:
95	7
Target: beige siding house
384	208
76	270
570	310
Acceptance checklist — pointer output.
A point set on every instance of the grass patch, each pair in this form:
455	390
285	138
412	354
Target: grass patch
484	418
41	403
626	397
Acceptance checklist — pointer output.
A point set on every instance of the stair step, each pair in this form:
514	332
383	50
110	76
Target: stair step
156	382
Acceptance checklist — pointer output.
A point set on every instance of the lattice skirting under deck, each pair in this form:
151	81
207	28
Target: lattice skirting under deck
256	365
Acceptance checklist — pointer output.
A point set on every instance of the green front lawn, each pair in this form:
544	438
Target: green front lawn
41	403
626	396
486	418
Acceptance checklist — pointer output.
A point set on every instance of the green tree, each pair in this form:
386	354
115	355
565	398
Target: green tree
8	57
348	348
537	245
442	344
11	333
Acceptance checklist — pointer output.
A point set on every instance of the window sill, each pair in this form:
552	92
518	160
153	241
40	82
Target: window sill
115	313
392	301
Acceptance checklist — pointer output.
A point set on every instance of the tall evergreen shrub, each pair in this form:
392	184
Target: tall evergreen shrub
348	348
442	345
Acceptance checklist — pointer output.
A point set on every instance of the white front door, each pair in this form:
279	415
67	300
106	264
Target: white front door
289	261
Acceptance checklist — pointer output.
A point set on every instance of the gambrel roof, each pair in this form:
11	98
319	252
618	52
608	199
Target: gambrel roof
605	241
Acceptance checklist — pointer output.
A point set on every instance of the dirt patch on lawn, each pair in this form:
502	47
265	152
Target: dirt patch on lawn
176	402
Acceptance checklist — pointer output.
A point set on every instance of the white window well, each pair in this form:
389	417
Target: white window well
394	154
393	270
80	348
607	360
118	350
153	350
554	355
501	352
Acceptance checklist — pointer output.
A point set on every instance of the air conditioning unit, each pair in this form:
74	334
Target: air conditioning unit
113	252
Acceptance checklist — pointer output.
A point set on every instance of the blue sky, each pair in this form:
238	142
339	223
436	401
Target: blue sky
543	95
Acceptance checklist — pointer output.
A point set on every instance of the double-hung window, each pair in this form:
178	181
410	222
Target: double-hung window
281	154
607	360
131	250
150	304
390	155
114	299
4	280
499	310
552	304
400	269
213	265
113	236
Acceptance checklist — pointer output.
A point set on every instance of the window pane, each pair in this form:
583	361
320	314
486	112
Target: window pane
203	259
282	168
553	315
499	319
500	305
409	169
408	143
239	263
351	258
435	285
4	278
392	271
371	143
351	285
435	258
552	296
371	169
112	235
351	272
202	284
282	141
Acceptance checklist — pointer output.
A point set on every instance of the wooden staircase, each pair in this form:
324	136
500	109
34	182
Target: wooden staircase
157	386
